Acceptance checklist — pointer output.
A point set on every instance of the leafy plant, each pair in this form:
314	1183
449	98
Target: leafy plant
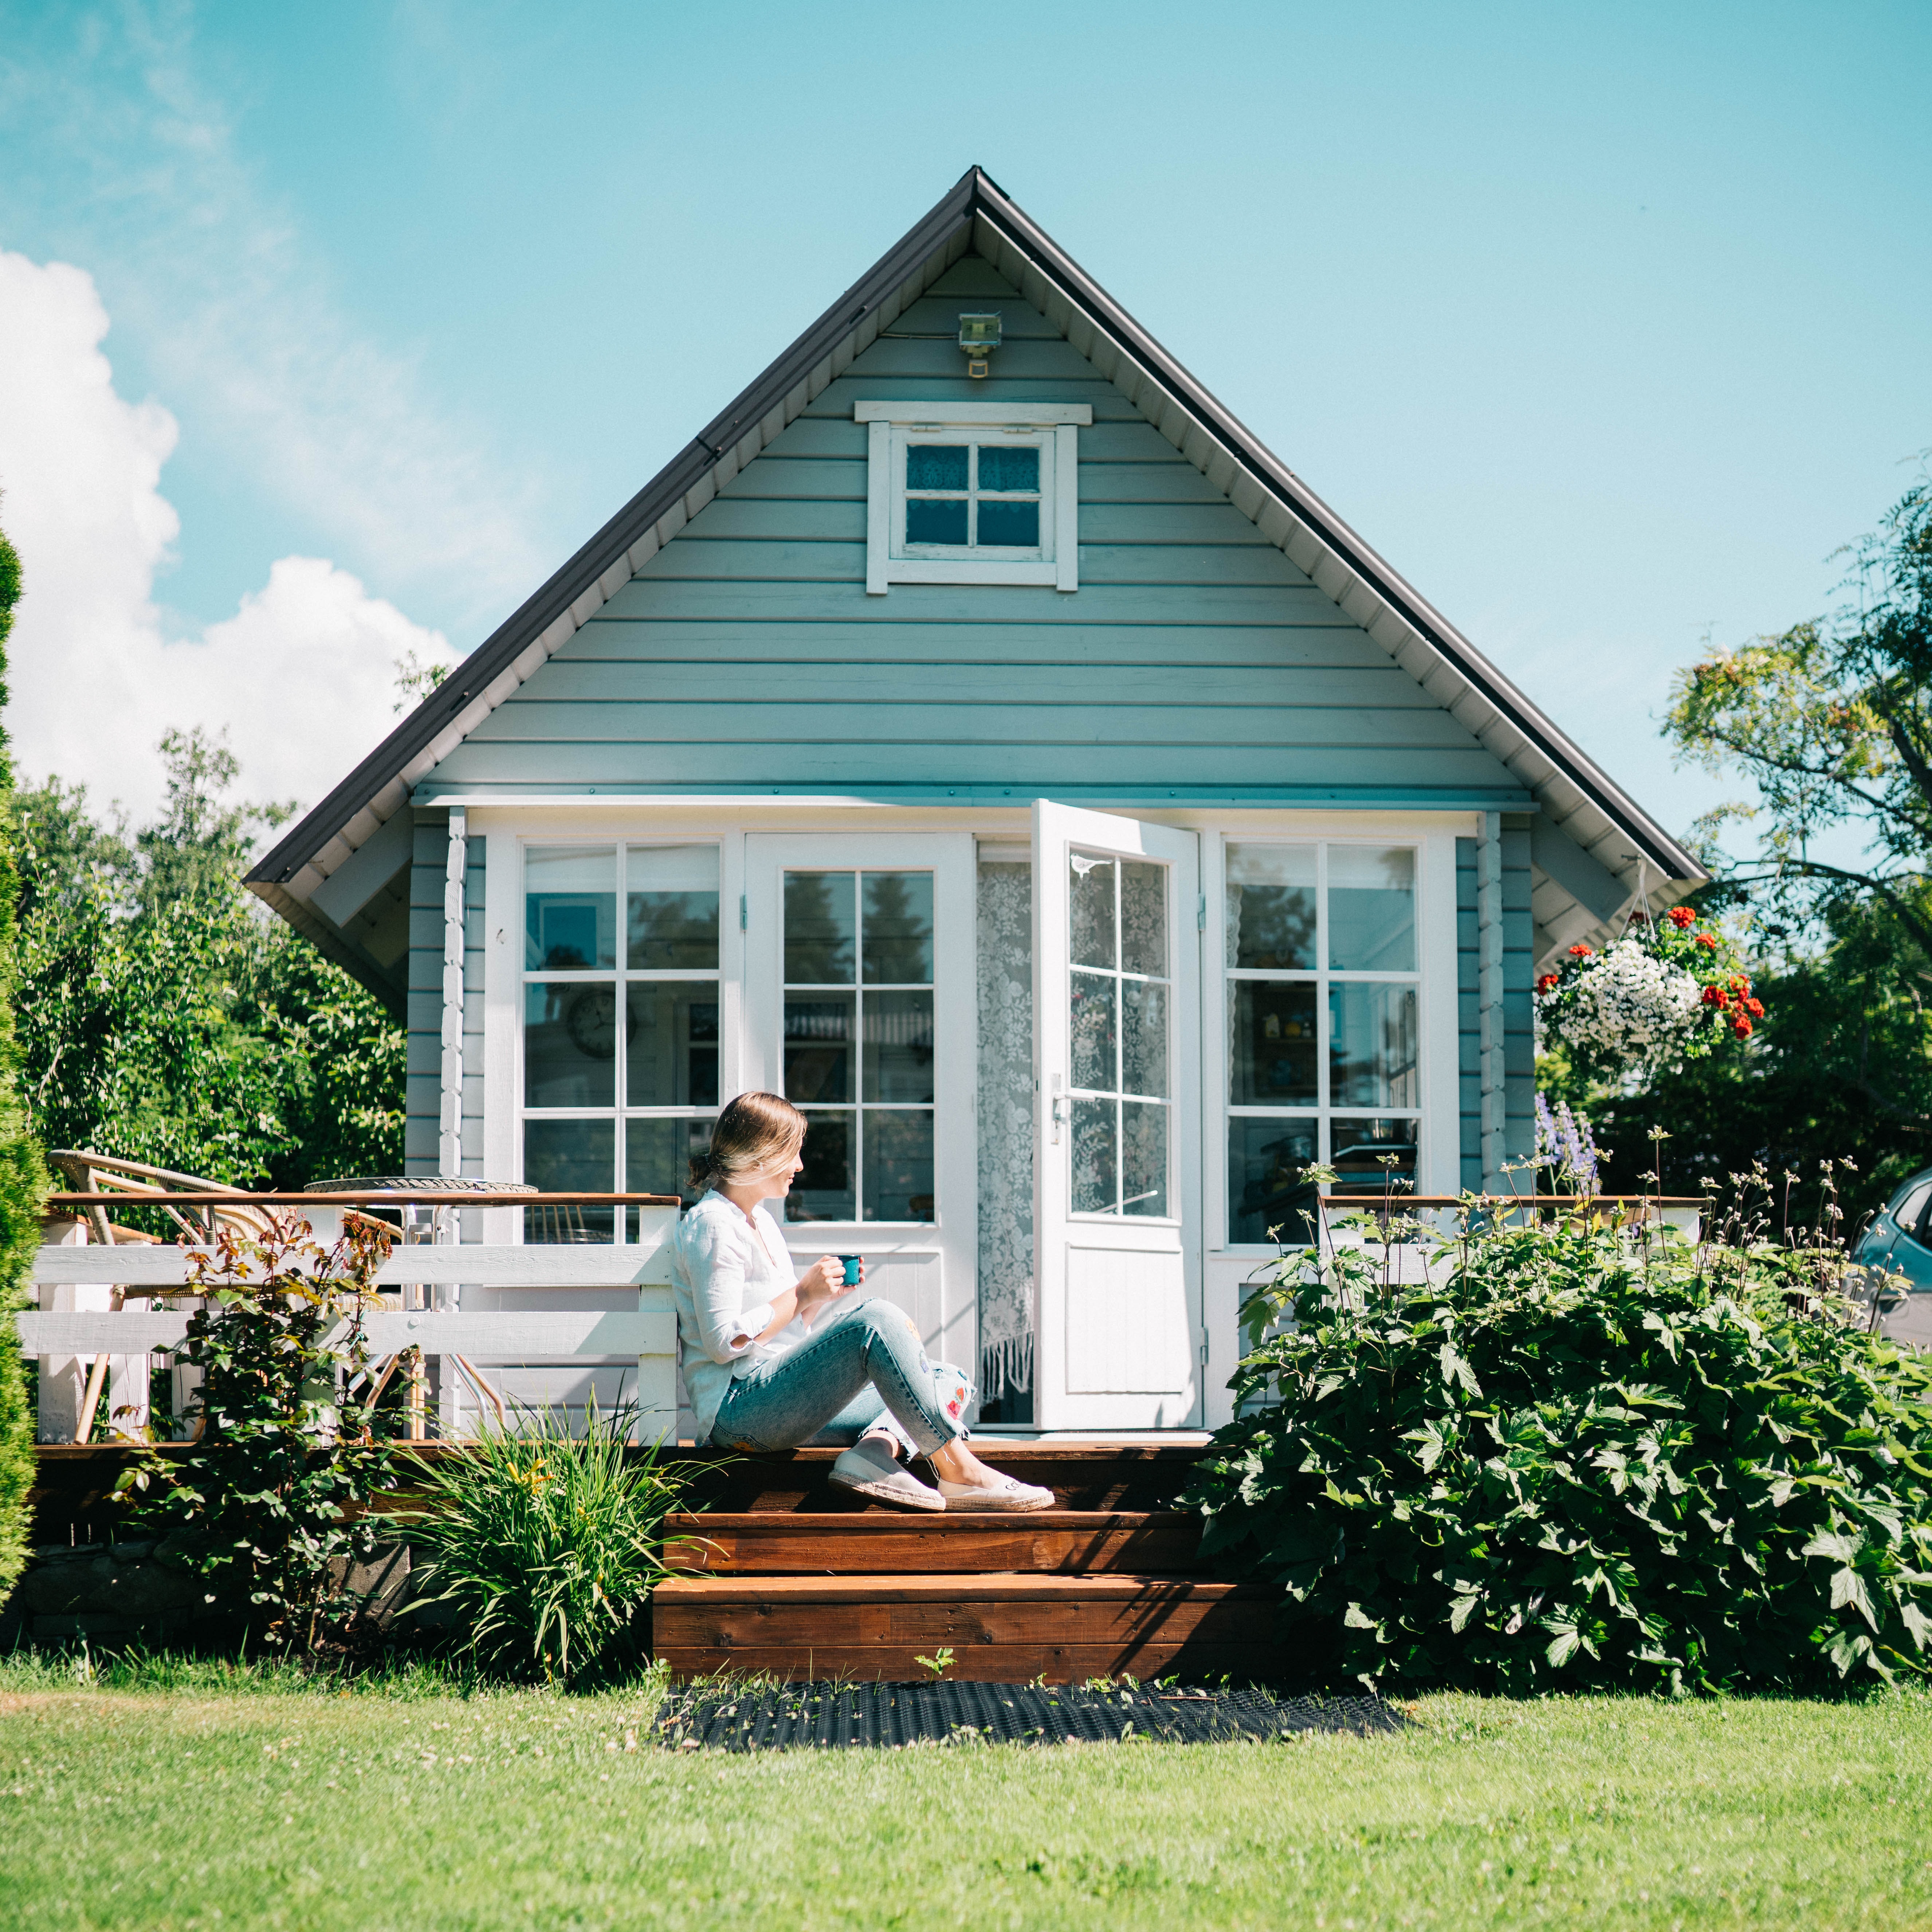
23	1180
268	1501
1573	1458
939	1665
547	1545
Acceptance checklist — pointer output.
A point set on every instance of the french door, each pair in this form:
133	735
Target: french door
1117	1001
860	1009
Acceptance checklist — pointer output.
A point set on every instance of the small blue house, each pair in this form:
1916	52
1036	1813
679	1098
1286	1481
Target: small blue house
977	735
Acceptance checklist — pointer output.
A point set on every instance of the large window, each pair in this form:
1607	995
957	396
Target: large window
859	1042
1324	1051
621	1028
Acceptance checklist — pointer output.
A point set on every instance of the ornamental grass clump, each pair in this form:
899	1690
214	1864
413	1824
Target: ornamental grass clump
545	1545
1574	1458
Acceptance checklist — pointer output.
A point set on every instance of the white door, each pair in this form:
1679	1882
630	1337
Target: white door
1117	977
860	1009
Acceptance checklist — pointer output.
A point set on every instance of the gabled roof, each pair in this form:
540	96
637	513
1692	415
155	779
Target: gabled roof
1595	848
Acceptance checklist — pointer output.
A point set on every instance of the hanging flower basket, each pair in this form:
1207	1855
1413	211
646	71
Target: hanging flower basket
1668	990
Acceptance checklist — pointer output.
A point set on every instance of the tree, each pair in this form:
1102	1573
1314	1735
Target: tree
167	1017
23	1181
1832	722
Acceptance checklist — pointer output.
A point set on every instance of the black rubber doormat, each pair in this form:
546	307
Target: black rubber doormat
830	1716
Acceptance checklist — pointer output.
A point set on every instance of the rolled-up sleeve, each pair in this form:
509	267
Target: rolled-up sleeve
714	1259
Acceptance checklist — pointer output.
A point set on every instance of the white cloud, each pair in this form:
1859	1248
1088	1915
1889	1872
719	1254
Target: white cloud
133	150
301	676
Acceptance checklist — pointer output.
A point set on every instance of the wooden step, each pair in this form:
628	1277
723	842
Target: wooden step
1006	1629
1105	1477
1161	1543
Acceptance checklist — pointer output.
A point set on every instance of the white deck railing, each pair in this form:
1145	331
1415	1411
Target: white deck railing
496	1321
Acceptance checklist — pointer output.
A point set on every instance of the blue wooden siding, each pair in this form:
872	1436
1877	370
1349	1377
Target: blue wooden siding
1519	1018
423	1077
1194	661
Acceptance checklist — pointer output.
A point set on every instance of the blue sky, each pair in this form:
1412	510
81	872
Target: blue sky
1605	325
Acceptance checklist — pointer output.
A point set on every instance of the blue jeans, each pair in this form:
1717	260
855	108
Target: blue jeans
863	1372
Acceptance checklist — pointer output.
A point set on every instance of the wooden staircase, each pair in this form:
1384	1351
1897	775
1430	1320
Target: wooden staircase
802	1580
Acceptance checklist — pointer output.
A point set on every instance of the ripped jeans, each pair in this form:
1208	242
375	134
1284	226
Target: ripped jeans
864	1372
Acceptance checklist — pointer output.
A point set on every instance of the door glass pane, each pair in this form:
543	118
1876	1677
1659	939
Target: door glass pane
899	1165
1371	909
1014	525
936	466
820	928
570	1045
658	1157
1096	1157
1265	1188
1004	468
1271	1044
671	919
569	1157
818	1047
1090	908
898	928
1143	917
1095	1028
898	1047
1143	1153
570	909
1143	1037
1361	1147
1372	1046
671	1043
825	1191
1271	907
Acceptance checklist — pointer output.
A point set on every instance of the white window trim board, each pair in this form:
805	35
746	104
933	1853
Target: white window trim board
974	416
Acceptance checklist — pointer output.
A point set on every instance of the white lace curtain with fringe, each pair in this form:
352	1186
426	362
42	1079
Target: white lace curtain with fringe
1005	1129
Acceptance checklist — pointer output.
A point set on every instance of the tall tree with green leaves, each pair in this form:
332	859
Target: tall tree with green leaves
1831	721
23	1181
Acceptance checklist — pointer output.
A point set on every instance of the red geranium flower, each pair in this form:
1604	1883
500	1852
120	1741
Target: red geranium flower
1682	916
1716	996
1755	1008
1579	953
1741	1026
1709	939
1544	985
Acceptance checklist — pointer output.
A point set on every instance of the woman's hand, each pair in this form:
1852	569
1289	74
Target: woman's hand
824	1281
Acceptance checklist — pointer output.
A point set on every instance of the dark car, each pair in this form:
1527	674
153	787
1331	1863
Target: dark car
1900	1241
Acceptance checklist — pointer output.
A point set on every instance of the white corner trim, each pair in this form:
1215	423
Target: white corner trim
449	1130
1041	414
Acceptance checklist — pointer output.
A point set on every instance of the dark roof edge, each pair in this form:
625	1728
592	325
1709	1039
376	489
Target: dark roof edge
510	639
1247	449
975	195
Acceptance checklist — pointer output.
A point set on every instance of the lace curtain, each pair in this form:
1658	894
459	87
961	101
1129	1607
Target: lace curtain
1005	967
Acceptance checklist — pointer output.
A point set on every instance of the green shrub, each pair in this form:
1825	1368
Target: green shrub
1574	1462
269	1503
546	1546
23	1179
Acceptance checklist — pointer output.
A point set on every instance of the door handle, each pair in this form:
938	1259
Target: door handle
1059	1117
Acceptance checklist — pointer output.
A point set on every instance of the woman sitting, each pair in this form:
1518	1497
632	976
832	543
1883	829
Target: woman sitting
764	1371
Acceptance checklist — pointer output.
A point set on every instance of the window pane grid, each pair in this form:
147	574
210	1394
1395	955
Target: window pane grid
858	1034
1323	1005
622	1025
962	493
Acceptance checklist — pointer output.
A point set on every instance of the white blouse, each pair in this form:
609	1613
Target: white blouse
725	1268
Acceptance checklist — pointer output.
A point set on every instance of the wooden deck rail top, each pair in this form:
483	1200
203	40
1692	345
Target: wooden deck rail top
378	1197
1575	1202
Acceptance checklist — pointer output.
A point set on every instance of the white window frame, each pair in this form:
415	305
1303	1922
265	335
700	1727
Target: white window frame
1053	428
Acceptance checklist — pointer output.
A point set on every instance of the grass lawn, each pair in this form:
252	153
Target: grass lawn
177	1796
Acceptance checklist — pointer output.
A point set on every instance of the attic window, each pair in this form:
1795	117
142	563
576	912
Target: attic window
973	493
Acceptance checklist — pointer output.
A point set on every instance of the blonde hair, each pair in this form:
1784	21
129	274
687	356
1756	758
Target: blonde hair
754	1134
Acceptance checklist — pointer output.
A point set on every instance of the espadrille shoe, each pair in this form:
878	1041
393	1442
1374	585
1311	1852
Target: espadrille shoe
872	1469
1008	1493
